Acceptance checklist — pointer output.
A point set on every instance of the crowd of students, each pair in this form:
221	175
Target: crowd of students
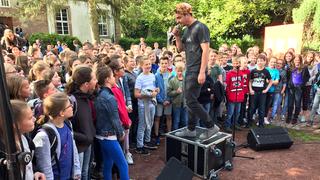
82	111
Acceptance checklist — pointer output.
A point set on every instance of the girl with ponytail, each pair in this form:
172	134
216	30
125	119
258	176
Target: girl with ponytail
81	86
57	109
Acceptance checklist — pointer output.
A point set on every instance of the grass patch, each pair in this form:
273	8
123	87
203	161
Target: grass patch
300	135
304	136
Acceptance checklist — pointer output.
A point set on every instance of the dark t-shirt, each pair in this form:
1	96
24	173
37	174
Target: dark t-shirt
227	68
193	36
259	79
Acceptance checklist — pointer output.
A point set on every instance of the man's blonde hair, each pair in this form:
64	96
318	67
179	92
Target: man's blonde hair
183	8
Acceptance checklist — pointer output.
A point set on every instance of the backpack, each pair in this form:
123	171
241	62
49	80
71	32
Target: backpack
53	143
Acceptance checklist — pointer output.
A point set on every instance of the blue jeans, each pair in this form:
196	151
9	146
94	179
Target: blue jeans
84	159
294	101
143	132
315	105
277	98
233	112
258	102
180	117
113	154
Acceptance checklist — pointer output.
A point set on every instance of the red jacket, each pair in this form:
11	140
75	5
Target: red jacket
234	89
122	109
246	76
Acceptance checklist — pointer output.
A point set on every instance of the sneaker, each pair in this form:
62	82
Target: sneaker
158	141
129	158
303	119
209	132
245	121
186	133
257	123
266	121
142	150
150	145
283	118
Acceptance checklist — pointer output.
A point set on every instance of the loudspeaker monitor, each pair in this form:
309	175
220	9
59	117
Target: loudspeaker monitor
269	138
175	170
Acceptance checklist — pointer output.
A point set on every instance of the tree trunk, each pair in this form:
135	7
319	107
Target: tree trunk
94	20
117	13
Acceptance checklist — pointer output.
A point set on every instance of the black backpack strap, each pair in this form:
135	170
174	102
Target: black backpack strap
53	146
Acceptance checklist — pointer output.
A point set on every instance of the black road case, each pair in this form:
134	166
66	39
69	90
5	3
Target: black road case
204	158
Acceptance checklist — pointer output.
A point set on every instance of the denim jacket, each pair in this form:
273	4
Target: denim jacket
42	153
108	121
162	95
125	90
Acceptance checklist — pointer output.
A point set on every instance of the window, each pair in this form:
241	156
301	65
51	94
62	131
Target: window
103	26
4	3
62	25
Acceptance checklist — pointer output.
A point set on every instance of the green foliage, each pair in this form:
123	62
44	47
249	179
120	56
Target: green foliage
225	18
33	8
311	46
125	43
308	12
53	38
244	43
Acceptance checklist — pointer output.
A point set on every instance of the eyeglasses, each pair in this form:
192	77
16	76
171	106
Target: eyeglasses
68	107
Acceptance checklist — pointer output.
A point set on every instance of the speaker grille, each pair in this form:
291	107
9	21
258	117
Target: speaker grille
271	138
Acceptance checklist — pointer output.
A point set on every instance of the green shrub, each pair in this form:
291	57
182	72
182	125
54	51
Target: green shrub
311	46
244	43
126	42
53	38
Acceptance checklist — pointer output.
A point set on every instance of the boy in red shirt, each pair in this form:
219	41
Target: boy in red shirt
235	93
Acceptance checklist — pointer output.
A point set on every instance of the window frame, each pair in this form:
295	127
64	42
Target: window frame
62	22
104	24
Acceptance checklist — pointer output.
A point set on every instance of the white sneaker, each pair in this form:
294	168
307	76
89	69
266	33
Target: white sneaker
129	158
257	123
266	121
186	133
303	119
210	132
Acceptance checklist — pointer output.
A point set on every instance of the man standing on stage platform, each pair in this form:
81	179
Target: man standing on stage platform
195	42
